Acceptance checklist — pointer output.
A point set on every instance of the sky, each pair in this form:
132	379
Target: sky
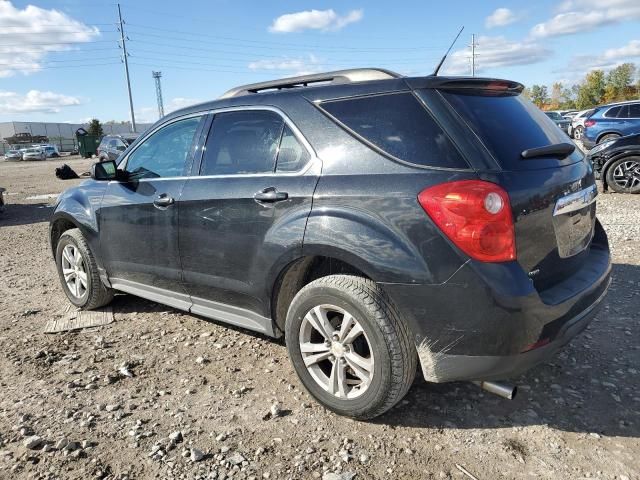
60	61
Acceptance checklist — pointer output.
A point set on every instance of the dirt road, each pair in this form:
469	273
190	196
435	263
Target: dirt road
196	403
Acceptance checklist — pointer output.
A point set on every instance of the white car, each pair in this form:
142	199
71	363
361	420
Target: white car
576	129
33	154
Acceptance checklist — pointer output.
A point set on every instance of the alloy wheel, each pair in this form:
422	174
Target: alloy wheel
74	271
627	174
336	351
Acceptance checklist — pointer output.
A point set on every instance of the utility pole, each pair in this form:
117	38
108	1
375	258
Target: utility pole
126	68
157	76
473	54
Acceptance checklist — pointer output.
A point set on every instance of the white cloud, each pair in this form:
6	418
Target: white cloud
587	15
496	52
298	65
607	60
500	18
314	20
29	34
150	114
35	101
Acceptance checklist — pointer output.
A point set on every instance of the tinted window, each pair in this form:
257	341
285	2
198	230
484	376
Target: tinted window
242	142
112	144
613	112
398	125
507	125
634	110
164	154
292	155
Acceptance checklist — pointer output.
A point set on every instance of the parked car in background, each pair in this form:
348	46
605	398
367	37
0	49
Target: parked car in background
13	155
34	153
610	122
111	146
51	151
576	129
617	163
376	221
568	114
559	120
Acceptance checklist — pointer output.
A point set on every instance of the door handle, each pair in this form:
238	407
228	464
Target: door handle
163	201
270	195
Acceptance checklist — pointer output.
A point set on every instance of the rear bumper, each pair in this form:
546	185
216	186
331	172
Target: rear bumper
488	322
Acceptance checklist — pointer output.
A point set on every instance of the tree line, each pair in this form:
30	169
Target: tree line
596	88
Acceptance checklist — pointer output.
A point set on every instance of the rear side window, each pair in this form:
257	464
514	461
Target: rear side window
242	142
507	125
398	125
613	112
634	110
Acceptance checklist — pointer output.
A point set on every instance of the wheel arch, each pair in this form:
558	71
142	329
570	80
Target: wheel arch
607	132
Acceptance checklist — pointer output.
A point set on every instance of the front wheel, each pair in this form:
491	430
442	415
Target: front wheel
78	272
349	347
623	175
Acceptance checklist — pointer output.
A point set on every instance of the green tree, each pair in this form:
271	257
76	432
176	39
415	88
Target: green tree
592	90
539	95
619	83
95	128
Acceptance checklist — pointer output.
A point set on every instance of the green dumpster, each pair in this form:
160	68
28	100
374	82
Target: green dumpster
87	144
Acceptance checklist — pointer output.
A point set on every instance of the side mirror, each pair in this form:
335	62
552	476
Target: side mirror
104	170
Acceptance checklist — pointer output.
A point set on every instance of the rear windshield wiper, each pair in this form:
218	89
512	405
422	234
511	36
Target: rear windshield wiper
559	150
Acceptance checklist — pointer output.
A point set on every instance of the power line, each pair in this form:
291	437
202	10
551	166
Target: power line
38	68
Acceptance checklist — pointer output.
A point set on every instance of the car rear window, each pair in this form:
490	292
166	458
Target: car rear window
398	126
509	124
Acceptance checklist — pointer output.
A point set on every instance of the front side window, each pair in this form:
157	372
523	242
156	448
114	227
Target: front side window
242	142
165	152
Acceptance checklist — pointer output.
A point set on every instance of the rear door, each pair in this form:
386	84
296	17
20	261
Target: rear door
243	216
552	196
139	218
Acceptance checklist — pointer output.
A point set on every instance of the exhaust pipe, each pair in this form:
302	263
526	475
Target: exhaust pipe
501	389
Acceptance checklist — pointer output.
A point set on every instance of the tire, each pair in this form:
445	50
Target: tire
383	344
94	293
623	175
607	137
578	132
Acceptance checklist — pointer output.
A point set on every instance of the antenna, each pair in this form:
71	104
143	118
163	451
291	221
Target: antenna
435	72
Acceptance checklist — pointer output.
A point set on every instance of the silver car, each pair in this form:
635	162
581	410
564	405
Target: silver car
33	154
13	155
576	130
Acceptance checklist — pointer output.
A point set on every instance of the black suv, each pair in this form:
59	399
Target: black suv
376	221
112	146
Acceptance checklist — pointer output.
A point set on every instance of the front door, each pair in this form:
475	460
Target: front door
243	218
139	218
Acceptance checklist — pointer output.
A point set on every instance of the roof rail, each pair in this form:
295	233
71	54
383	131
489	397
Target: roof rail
337	77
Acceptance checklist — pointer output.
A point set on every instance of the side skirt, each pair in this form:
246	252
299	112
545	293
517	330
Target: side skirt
239	317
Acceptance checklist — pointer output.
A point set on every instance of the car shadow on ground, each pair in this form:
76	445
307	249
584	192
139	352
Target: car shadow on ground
16	214
590	386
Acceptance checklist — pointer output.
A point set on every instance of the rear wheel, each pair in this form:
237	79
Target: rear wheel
607	137
78	272
349	347
623	175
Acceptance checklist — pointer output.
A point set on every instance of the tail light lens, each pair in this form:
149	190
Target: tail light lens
589	123
475	215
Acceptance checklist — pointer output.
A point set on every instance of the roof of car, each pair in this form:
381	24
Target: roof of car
330	85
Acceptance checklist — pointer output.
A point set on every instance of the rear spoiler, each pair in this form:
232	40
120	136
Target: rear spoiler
488	85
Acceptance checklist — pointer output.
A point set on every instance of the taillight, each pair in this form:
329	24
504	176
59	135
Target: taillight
475	215
589	123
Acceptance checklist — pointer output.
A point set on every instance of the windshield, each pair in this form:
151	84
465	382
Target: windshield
553	115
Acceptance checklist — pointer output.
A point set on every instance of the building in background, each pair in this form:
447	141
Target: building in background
62	135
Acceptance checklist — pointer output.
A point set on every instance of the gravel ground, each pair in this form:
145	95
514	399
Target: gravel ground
206	401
